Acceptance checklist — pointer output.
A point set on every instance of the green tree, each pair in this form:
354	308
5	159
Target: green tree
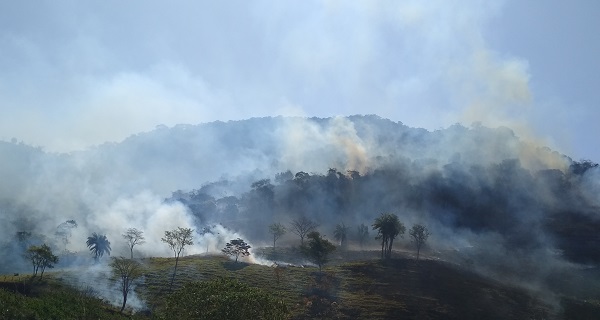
388	227
317	249
340	233
41	257
419	235
98	245
126	271
363	233
177	240
277	230
237	247
134	237
223	299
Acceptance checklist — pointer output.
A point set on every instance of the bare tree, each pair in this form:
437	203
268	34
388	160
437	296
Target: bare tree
419	235
126	271
134	237
277	230
302	227
177	240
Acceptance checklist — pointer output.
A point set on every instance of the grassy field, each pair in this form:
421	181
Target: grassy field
350	287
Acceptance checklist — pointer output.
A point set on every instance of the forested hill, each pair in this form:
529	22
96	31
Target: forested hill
497	199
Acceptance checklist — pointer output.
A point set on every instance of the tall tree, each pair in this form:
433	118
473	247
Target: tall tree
177	240
302	227
98	245
340	233
126	271
237	247
277	230
41	257
388	227
363	233
134	237
419	235
317	249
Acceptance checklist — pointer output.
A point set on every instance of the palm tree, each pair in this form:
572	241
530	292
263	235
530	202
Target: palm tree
388	226
98	245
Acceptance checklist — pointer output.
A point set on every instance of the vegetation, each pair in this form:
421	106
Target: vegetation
362	232
340	233
126	271
318	249
41	257
223	298
98	245
134	237
236	247
388	227
419	235
277	230
177	240
302	227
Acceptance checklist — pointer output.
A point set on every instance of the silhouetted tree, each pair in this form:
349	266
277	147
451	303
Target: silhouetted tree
363	233
126	271
133	237
419	235
340	233
98	245
41	257
317	249
236	248
388	227
277	230
177	240
63	231
302	227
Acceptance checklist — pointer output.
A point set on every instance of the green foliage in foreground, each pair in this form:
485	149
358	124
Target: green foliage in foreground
223	299
60	304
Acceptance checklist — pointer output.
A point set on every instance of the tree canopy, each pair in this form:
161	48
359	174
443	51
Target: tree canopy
98	245
388	227
237	247
41	257
317	249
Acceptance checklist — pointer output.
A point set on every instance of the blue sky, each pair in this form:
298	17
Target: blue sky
75	74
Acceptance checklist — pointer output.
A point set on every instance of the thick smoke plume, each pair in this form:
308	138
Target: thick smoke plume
494	202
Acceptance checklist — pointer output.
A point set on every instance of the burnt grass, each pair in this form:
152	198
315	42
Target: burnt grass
356	285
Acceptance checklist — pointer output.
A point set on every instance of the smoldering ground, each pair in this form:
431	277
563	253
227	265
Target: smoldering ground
492	201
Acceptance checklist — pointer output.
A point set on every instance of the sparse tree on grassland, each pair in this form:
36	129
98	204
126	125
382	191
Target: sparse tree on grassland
134	237
388	227
277	230
177	240
126	271
317	249
237	248
41	257
419	235
340	233
98	245
302	227
363	233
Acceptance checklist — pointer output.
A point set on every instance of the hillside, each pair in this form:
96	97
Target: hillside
398	289
496	204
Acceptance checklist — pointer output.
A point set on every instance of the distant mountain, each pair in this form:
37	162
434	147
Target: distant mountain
500	203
